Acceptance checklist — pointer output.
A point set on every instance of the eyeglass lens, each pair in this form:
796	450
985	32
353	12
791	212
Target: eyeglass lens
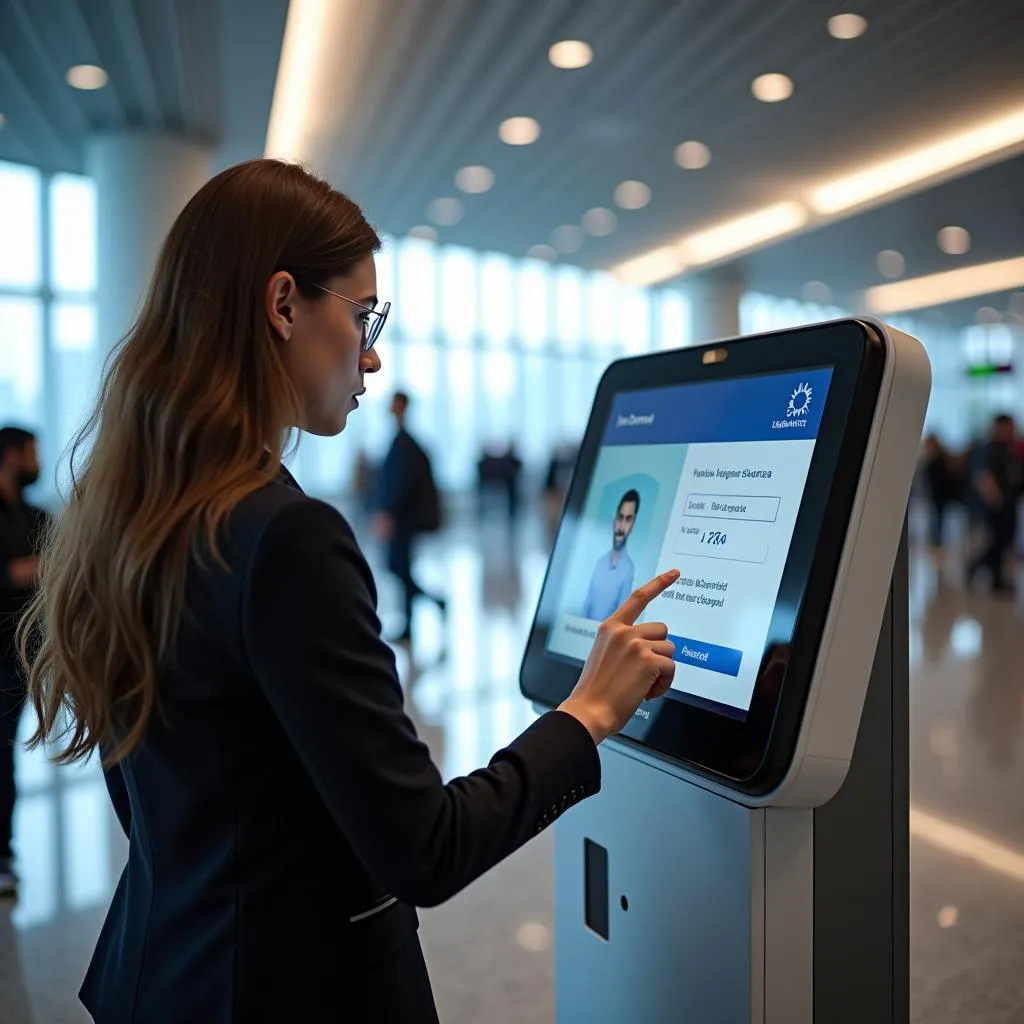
373	330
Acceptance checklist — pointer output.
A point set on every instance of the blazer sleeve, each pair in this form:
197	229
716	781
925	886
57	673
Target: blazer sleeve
312	635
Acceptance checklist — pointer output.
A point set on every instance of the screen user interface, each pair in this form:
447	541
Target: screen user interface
707	478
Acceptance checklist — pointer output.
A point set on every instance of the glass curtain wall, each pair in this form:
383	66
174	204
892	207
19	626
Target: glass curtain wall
48	347
494	352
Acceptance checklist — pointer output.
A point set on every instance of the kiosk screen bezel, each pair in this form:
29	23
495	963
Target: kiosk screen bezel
752	753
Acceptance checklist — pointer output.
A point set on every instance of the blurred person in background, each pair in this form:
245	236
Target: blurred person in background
556	485
21	531
1019	459
996	485
408	505
499	469
941	487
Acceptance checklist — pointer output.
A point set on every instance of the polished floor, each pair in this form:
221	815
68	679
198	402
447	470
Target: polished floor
490	949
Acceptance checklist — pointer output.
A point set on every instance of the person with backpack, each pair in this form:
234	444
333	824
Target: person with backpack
408	505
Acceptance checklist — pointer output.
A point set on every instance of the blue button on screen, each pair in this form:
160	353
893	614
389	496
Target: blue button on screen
700	654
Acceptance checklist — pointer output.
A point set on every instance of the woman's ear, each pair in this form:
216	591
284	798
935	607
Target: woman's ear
280	303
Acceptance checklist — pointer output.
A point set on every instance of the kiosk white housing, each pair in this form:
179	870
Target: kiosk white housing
747	857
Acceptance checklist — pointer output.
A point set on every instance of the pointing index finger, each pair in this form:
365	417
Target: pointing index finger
631	608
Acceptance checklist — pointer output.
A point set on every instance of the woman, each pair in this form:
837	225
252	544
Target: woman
213	632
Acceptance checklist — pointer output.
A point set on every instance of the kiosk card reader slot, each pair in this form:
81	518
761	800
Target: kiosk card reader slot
595	881
714	878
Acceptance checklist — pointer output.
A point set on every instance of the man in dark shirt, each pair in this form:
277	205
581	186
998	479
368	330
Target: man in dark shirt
996	479
21	527
406	489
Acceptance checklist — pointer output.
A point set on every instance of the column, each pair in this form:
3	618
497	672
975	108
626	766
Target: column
715	305
143	180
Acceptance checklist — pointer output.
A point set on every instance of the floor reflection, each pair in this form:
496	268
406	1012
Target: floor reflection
461	682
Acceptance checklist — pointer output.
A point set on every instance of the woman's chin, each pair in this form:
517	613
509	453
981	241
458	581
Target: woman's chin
327	425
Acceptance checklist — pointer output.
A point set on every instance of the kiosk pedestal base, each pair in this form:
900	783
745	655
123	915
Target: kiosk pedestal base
674	905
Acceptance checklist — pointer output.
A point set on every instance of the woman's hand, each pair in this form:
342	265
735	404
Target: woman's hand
627	664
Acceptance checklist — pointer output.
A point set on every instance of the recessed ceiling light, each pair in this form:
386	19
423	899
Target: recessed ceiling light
599	221
772	88
567	238
474	179
948	286
424	231
817	292
847	26
541	252
445	211
739	234
891	263
651	267
519	131
713	244
570	54
307	74
632	195
86	76
988	315
948	917
911	168
954	241
692	156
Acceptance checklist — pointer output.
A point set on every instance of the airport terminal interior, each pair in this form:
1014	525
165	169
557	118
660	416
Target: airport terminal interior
559	184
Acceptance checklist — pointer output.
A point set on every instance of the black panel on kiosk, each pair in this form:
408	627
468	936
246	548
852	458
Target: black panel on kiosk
737	463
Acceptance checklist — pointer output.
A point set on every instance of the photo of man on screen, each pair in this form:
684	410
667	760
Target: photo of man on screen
612	579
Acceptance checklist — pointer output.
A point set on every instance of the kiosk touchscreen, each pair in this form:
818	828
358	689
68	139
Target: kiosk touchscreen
773	472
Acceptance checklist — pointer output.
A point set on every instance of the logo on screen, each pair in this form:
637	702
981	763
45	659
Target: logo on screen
800	400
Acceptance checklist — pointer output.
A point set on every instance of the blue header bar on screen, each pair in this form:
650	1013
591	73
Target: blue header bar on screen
774	407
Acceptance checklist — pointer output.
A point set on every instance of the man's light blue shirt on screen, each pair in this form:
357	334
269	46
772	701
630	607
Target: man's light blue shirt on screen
610	585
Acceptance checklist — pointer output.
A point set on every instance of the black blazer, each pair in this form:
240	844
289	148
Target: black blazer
284	817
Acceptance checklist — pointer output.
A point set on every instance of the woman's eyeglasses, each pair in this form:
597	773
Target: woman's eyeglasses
371	328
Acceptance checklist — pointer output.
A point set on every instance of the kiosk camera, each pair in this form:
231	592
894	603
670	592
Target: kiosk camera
718	878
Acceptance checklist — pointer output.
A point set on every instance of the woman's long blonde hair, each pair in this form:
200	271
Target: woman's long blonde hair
194	413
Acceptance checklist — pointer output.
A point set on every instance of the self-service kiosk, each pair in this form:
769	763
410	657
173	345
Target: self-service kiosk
747	857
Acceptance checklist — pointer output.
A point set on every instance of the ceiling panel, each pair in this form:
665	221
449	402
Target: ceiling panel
434	78
989	204
663	72
166	61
